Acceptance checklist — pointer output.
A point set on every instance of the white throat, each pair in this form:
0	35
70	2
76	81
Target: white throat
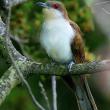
56	37
50	14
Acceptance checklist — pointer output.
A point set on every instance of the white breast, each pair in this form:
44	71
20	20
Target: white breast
56	37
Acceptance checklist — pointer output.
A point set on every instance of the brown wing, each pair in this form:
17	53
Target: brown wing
77	45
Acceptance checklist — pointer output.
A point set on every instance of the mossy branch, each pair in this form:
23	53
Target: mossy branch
10	78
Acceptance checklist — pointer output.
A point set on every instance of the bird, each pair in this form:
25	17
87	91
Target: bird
62	40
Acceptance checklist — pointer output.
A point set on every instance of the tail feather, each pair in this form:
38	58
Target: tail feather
81	95
82	92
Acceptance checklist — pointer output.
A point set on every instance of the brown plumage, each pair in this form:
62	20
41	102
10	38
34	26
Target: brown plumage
77	45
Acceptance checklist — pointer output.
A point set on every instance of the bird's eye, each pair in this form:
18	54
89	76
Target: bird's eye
56	6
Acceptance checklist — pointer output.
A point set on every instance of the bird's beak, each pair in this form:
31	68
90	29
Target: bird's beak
42	4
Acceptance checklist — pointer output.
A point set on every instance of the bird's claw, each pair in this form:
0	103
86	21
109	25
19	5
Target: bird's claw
70	66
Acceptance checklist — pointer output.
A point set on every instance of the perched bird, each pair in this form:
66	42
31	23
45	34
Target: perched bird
62	40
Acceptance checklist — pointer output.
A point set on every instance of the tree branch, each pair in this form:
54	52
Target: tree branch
77	69
5	3
10	78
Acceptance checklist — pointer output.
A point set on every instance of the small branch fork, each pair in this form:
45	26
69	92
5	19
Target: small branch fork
102	4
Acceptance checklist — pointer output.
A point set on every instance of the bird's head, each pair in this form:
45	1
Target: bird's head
53	9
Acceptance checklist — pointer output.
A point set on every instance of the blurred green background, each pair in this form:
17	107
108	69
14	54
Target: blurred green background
26	22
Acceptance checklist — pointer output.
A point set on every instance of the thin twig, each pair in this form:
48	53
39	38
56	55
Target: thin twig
103	3
106	11
90	95
100	3
43	92
54	92
14	64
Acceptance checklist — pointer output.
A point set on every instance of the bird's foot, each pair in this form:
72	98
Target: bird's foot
70	66
53	63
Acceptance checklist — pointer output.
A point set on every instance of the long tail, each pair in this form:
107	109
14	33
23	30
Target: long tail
80	87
